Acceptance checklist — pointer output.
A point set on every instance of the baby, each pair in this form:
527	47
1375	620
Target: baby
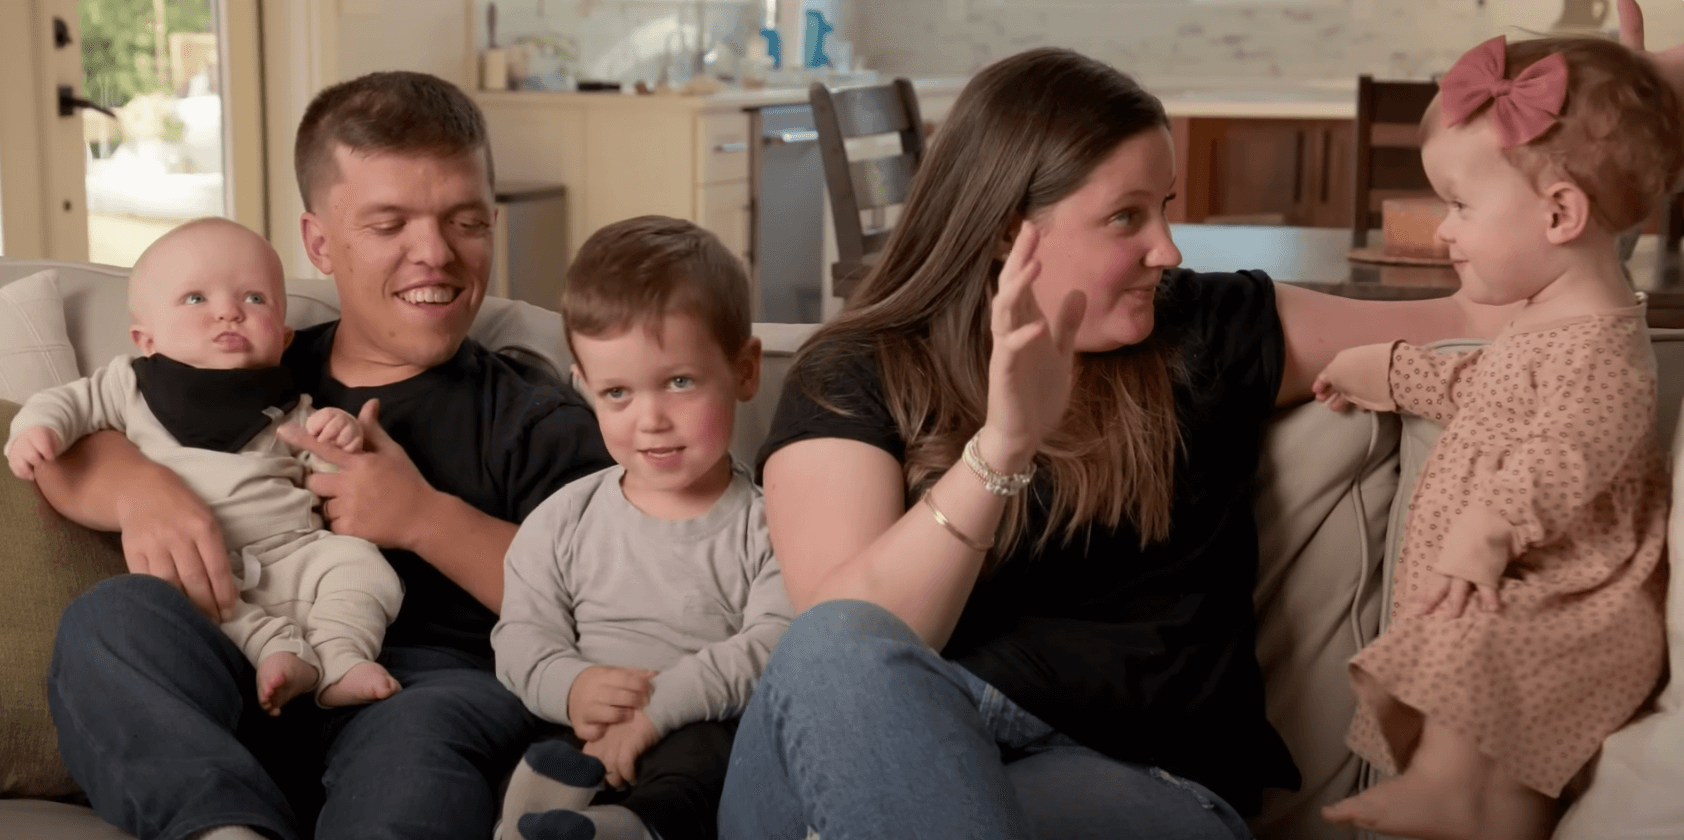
1527	620
208	309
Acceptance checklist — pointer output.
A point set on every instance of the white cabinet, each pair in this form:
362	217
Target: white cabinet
726	209
622	156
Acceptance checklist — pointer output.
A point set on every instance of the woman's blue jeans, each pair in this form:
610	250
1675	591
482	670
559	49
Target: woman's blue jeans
859	730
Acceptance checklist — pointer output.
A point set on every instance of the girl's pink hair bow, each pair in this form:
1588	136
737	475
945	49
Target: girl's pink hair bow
1523	108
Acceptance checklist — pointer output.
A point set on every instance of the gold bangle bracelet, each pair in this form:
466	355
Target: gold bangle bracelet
942	520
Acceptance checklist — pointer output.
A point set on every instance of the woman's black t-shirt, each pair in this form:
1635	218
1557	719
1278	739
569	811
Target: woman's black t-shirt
1147	655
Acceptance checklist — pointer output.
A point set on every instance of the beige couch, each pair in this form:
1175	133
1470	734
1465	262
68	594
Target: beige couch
1328	495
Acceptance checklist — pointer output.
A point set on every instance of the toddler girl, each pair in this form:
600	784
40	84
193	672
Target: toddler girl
1527	620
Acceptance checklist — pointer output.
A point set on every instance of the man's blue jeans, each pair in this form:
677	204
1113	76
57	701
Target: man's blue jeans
158	722
859	730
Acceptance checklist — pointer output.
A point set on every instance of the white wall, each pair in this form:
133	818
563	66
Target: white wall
311	44
1213	40
429	36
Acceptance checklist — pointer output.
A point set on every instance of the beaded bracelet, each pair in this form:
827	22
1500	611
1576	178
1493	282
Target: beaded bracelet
1000	484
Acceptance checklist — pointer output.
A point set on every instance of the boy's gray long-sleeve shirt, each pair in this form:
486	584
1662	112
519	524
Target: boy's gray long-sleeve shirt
591	580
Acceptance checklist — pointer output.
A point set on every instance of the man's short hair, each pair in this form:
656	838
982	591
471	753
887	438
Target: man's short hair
639	270
395	111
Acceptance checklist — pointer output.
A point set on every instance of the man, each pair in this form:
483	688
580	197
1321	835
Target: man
157	716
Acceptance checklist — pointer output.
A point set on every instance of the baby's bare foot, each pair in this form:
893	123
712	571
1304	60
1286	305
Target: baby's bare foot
1449	792
364	683
281	677
1412	805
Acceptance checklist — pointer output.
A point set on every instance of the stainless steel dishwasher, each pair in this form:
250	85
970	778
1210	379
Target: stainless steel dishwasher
788	239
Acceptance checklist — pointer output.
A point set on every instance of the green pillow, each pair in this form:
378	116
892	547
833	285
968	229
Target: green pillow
45	562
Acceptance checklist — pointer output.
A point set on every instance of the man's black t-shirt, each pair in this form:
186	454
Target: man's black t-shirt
1147	655
498	434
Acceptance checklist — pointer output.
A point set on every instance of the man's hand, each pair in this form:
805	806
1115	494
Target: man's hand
170	533
377	494
335	427
619	748
32	447
606	695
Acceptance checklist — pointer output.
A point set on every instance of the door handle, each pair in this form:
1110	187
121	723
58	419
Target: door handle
68	102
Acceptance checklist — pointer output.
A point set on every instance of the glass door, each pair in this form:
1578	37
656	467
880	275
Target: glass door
163	156
161	123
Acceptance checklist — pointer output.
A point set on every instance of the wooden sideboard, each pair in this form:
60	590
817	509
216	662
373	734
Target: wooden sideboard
1288	171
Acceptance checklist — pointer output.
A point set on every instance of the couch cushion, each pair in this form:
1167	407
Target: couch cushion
97	318
1324	491
35	351
1635	782
778	344
33	819
45	562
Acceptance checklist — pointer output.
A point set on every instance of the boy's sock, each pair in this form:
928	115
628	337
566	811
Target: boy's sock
598	822
551	775
228	832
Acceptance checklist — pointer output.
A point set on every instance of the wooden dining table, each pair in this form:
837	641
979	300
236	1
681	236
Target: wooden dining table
1316	258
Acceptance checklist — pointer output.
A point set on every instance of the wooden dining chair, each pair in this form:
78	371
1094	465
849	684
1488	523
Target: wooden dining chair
867	185
1388	148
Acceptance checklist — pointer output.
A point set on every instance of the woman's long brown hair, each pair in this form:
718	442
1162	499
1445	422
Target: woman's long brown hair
1025	132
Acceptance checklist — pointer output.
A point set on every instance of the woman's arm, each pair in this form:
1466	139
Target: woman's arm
836	509
1318	326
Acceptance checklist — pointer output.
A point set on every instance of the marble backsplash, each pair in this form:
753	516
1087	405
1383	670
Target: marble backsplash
1211	39
623	40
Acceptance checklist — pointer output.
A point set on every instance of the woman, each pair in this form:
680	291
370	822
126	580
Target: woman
1096	674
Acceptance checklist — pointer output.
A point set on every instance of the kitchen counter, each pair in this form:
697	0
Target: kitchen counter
728	99
1315	258
1270	99
1312	99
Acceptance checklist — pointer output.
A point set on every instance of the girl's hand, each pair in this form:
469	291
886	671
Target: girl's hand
1447	597
1327	393
1358	376
1033	363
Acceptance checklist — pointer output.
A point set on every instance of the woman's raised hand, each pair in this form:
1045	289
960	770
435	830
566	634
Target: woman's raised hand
1033	363
1670	60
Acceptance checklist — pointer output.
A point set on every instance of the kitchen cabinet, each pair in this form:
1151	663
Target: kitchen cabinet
726	209
1287	171
622	156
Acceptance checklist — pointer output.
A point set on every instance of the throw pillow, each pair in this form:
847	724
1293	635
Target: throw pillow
35	351
1634	785
45	562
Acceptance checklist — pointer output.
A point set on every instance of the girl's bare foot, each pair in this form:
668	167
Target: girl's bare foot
281	677
364	683
1449	792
